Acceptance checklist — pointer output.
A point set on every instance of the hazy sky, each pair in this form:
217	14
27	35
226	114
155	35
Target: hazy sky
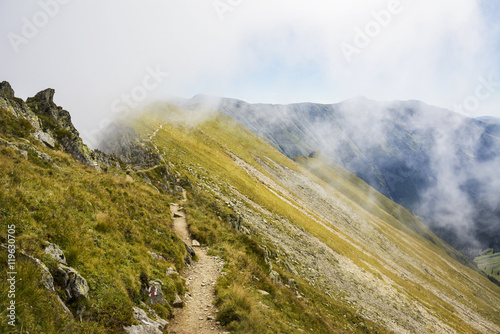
107	56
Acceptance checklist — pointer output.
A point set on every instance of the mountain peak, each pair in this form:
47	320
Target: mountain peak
45	97
6	90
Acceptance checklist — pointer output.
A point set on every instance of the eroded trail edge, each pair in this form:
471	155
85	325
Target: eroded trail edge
199	313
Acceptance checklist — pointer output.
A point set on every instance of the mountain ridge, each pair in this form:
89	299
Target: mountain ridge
398	148
301	254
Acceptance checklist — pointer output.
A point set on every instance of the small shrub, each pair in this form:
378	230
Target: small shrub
234	305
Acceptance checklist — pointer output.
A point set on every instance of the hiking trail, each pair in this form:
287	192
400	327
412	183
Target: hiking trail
199	312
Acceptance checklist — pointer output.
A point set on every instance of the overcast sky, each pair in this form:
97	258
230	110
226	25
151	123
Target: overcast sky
101	56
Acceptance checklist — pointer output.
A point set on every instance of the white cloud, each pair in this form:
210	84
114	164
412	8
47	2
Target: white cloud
91	51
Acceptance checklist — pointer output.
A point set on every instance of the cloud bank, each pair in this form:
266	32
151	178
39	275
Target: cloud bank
95	53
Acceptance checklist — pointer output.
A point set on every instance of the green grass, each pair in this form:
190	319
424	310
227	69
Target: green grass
104	224
489	262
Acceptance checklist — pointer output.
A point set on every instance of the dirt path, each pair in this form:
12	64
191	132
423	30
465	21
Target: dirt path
199	313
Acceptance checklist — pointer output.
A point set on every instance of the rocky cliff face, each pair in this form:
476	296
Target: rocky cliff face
52	123
126	143
53	127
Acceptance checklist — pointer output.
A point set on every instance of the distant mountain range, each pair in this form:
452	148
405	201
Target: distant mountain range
438	163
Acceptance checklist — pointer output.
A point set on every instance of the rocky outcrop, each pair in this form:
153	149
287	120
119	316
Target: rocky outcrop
53	126
146	324
19	108
6	90
57	121
125	143
47	278
190	254
177	302
74	285
56	253
23	149
155	292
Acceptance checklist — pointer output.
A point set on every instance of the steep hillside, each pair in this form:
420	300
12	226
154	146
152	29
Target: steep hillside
435	162
84	240
383	264
97	252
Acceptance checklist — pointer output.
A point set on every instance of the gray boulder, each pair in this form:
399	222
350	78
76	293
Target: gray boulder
177	302
56	253
190	253
146	324
45	138
155	293
74	285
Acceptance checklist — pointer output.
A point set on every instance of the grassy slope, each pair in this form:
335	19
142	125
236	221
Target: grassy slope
490	263
206	146
374	202
90	216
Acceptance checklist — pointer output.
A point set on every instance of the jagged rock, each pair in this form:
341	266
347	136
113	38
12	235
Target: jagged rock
25	147
195	243
47	278
56	253
74	285
45	138
45	96
125	143
262	292
6	90
53	125
235	222
177	302
274	276
291	268
147	325
190	253
178	215
155	293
